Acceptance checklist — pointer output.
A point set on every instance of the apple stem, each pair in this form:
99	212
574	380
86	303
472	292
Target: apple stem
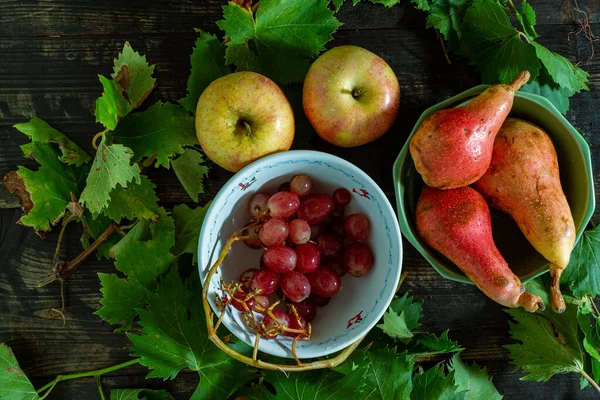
248	129
356	93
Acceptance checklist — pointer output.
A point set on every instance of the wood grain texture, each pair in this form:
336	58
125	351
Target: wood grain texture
50	55
137	17
59	84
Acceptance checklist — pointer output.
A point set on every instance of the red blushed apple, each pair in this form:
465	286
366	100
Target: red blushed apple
351	96
242	117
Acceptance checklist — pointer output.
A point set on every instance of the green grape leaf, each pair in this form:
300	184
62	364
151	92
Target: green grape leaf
402	317
146	260
139	394
494	45
163	129
582	276
544	86
191	171
388	373
473	380
45	193
208	63
337	4
548	343
314	385
433	384
134	75
112	166
160	229
422	5
589	323
446	17
40	131
395	326
112	106
526	17
120	299
412	310
133	201
283	36
14	384
188	223
425	343
568	77
387	3
174	336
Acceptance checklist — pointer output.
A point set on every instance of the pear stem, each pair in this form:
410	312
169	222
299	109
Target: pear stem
558	302
521	79
531	302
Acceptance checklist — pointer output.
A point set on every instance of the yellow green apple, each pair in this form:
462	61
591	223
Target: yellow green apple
351	96
242	117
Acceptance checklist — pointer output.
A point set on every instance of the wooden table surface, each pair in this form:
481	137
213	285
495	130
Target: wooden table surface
50	55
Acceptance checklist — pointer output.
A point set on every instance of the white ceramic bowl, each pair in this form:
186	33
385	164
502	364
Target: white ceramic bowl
361	302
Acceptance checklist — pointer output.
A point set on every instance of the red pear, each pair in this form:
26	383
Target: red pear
523	180
457	223
453	147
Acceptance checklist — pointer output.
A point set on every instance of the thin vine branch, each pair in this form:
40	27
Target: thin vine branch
99	384
62	271
590	380
66	220
94	374
65	270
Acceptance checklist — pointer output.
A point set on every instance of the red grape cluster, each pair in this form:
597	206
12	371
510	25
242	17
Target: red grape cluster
309	244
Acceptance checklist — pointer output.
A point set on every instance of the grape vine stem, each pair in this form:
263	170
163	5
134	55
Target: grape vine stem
253	362
590	380
69	267
94	374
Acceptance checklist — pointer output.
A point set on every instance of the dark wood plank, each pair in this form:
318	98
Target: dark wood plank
60	85
86	17
45	349
50	55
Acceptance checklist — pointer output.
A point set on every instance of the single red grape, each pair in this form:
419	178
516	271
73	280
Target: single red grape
325	282
257	205
295	286
245	278
238	300
318	301
342	197
307	258
306	310
358	259
315	208
273	232
299	231
296	323
265	280
254	241
269	322
280	258
262	303
301	185
330	245
283	204
357	227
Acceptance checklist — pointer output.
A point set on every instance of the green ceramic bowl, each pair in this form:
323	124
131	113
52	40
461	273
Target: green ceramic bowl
575	173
